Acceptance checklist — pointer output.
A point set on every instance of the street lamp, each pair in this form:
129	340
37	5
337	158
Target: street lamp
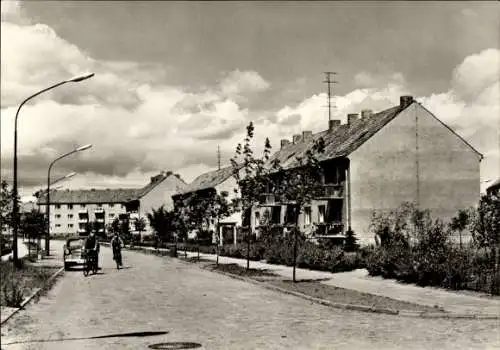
47	211
15	209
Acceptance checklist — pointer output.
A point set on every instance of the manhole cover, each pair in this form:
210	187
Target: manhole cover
175	346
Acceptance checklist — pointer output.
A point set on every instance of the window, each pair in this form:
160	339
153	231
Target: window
111	205
111	215
58	216
70	206
307	216
99	205
58	206
276	215
70	216
257	218
58	225
70	225
290	215
82	205
321	213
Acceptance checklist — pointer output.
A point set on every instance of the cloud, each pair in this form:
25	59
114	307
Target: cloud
135	121
237	84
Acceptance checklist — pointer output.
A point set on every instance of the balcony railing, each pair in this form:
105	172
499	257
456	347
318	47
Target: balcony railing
329	228
268	198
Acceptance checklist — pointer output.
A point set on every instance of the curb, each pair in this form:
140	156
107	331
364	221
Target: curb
362	308
34	294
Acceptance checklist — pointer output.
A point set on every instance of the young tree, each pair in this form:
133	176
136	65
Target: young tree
351	242
299	185
460	222
33	225
486	226
140	226
220	209
251	176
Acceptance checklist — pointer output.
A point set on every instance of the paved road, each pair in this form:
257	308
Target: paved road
194	305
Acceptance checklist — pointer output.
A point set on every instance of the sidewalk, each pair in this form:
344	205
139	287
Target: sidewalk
451	301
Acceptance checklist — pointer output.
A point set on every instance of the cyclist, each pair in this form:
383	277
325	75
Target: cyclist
92	247
116	244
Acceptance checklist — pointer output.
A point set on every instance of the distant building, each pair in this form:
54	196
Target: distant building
71	210
377	162
217	181
494	188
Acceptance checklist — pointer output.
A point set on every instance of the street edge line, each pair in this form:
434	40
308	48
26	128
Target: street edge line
34	294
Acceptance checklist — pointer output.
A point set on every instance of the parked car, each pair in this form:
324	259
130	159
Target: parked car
73	253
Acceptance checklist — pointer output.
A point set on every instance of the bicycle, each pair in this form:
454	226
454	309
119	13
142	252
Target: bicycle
89	263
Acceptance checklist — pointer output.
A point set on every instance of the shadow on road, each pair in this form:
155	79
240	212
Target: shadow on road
175	346
118	335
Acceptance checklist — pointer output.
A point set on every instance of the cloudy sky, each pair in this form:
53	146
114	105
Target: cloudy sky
176	79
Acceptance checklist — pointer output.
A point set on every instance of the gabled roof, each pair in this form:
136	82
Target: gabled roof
339	142
208	180
115	195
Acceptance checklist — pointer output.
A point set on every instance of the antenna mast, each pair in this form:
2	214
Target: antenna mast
329	81
218	155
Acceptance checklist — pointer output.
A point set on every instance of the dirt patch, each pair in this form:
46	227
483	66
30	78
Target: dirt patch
238	270
347	296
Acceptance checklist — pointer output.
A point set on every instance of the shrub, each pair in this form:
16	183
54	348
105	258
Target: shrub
12	294
351	241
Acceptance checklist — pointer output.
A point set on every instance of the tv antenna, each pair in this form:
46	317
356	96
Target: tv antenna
331	81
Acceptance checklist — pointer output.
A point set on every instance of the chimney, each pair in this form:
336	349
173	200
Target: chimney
351	118
332	124
296	138
405	101
285	142
366	113
307	135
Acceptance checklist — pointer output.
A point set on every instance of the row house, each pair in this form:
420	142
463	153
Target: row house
377	161
72	210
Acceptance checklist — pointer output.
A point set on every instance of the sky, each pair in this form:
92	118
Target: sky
175	80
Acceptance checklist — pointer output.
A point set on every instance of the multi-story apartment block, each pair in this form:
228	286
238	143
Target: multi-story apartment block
72	210
377	162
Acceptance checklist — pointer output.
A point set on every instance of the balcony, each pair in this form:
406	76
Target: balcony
269	199
333	191
83	219
329	228
99	219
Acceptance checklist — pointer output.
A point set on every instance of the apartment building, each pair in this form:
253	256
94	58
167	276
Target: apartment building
72	210
377	161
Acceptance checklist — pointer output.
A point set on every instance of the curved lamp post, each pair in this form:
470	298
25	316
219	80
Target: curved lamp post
15	209
47	211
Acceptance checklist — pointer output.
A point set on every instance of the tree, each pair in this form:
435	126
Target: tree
163	223
140	226
486	226
351	242
299	185
6	205
33	225
220	209
460	222
251	177
114	226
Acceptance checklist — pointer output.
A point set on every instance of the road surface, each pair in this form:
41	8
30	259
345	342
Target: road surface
216	312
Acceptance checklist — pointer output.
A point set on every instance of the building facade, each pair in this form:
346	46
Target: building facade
72	210
377	162
217	181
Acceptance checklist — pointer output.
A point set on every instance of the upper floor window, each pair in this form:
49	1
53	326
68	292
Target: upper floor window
111	215
321	213
58	206
307	215
82	205
70	216
257	218
111	205
99	205
58	216
70	206
58	225
70	225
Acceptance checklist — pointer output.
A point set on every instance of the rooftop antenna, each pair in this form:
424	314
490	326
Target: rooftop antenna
329	82
218	155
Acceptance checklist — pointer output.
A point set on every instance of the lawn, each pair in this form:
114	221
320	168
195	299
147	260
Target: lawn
17	284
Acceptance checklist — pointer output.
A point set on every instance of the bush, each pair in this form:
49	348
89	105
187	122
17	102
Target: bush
12	294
